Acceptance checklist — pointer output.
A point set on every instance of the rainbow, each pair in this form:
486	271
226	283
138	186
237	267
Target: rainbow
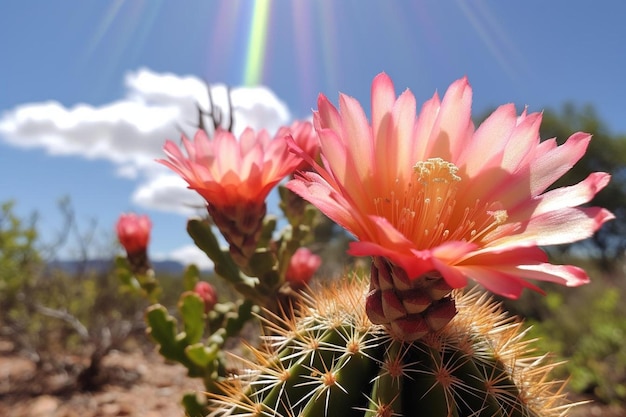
259	23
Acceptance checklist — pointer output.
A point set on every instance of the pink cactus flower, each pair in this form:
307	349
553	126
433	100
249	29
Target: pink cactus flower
435	197
305	137
133	232
302	265
229	172
234	177
207	293
436	202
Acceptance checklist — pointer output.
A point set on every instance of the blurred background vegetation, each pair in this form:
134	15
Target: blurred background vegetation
51	312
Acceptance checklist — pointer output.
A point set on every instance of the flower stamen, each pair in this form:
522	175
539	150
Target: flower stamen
425	211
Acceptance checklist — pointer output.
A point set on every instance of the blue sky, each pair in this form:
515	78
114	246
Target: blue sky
90	90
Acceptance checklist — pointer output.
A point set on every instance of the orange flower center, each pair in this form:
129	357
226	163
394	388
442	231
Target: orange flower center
426	211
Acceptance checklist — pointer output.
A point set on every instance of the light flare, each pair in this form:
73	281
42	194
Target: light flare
494	37
257	42
103	27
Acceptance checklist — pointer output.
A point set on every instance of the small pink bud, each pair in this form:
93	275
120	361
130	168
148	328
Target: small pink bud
302	266
207	293
133	232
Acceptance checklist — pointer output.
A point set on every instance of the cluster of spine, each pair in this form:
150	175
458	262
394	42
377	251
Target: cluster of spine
329	360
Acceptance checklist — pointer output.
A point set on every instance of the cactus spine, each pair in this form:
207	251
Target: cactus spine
329	360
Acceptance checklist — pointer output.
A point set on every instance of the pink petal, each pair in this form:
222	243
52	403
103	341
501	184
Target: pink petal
383	97
568	275
563	197
400	155
316	190
453	122
523	140
326	116
556	227
357	135
550	166
453	276
489	140
499	282
424	127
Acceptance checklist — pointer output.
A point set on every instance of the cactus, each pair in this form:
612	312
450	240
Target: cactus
330	360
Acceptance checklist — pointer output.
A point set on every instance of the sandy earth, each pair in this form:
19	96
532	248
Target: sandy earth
138	385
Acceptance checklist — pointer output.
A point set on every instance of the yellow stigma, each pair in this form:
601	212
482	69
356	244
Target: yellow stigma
425	209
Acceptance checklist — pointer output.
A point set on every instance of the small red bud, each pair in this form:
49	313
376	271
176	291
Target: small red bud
207	293
133	232
302	265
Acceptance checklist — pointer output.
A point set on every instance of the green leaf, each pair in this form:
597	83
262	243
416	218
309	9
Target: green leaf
190	277
193	407
225	267
262	262
202	355
269	225
191	308
234	324
202	235
163	329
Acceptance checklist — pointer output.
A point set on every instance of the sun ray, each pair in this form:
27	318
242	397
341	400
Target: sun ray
103	27
493	36
329	36
304	50
253	71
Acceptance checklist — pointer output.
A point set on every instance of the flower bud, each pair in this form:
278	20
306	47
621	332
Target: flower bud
207	293
302	265
133	232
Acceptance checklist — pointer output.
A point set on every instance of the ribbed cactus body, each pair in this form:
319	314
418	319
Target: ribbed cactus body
331	361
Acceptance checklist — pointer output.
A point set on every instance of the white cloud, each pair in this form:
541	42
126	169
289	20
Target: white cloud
130	132
186	255
168	192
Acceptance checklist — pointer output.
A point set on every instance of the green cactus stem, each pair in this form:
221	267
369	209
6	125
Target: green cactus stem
330	360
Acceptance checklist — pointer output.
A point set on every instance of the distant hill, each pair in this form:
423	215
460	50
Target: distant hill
103	265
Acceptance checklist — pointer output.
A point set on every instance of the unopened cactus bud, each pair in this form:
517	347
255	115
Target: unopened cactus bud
207	293
302	265
133	233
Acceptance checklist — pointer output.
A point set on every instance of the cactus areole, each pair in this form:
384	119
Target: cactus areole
331	361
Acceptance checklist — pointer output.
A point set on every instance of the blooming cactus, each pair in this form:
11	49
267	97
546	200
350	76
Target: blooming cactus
436	202
234	176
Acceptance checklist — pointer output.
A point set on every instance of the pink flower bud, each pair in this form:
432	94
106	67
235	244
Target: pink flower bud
302	266
133	232
207	293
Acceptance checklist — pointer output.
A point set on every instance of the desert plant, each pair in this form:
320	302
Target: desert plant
52	313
